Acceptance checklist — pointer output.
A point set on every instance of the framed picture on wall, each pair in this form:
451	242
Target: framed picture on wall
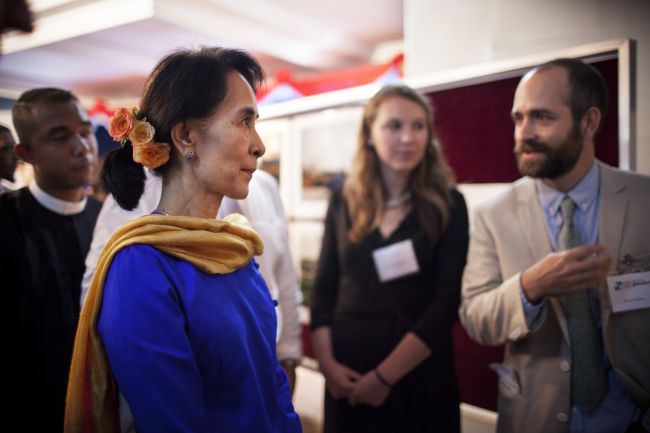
316	158
273	133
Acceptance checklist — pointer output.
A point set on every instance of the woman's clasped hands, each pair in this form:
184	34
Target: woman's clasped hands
344	382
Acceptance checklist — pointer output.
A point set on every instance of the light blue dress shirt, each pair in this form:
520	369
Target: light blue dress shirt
617	409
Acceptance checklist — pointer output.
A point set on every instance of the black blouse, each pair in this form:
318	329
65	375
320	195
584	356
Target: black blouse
347	285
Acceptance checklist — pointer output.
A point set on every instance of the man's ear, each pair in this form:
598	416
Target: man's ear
184	136
24	152
591	121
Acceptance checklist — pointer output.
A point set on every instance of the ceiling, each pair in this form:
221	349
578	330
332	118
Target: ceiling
105	48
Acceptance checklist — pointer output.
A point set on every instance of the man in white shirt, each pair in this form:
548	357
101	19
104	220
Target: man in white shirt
263	209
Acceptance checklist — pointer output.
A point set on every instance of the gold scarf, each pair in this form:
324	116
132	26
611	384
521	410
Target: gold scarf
214	247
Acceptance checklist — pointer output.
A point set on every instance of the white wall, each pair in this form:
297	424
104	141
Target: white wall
443	34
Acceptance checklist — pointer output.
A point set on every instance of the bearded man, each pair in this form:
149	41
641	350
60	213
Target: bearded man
577	356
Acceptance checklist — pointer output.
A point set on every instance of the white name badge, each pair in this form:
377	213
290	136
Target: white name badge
629	291
395	261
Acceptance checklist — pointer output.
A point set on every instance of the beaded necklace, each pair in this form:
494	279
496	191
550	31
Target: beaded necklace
398	201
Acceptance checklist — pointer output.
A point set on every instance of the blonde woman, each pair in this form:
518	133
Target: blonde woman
387	288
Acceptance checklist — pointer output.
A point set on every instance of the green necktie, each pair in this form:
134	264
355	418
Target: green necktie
588	375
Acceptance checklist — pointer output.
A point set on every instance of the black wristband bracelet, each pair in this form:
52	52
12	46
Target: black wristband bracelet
382	379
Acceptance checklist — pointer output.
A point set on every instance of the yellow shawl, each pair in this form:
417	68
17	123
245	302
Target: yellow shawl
214	247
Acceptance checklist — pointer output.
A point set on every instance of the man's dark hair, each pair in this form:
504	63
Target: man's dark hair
185	85
22	111
4	133
4	130
587	86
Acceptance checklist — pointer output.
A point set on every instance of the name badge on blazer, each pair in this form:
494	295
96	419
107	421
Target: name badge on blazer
629	291
395	261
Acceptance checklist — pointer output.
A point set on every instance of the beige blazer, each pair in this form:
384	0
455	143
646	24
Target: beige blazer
509	235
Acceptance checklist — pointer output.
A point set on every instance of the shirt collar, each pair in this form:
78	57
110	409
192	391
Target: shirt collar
54	204
583	194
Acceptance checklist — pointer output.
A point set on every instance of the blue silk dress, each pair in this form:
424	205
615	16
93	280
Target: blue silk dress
193	352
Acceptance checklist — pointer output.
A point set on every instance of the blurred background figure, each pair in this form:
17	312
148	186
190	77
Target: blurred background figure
388	281
8	160
14	15
94	186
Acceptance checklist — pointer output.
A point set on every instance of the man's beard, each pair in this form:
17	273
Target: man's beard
559	160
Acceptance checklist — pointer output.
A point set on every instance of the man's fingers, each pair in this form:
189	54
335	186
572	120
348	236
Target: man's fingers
576	269
585	252
578	262
598	265
578	281
587	249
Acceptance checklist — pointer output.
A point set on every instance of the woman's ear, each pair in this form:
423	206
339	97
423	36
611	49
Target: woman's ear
184	135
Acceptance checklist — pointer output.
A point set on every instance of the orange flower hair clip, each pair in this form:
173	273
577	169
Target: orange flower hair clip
124	127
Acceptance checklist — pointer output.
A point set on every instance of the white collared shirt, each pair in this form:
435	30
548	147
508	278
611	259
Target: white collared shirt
56	205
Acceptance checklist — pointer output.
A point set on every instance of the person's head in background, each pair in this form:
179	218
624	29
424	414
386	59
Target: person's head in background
56	137
8	158
397	154
94	186
202	106
557	111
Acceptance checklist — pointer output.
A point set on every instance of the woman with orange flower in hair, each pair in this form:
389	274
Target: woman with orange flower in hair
178	326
